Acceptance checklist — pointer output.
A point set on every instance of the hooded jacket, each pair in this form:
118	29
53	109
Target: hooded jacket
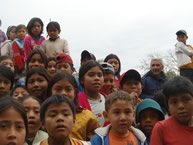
146	104
101	136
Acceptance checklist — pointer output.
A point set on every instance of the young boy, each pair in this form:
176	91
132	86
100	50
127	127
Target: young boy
64	63
177	129
109	76
57	113
184	55
130	82
119	111
148	112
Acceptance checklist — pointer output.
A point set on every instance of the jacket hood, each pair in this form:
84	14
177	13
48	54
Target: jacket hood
5	42
148	103
103	131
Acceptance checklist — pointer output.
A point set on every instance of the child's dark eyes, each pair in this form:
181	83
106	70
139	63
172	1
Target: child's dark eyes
3	126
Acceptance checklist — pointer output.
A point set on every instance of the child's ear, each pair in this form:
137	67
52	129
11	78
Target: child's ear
43	127
134	114
105	114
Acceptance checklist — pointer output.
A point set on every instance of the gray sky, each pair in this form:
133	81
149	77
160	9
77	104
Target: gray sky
127	28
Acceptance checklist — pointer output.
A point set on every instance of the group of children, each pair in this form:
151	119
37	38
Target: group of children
43	103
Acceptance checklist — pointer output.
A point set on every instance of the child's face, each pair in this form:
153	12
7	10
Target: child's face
64	66
181	108
59	120
12	34
53	32
64	87
51	68
21	33
32	108
108	83
5	85
37	85
115	63
156	67
8	63
12	129
93	79
20	92
148	119
182	38
133	87
121	116
36	61
36	29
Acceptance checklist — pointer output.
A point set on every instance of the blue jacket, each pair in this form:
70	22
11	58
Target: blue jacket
101	136
152	84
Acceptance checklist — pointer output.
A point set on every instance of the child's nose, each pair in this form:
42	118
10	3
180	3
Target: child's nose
12	133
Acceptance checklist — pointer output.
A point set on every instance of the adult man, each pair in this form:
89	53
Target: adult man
154	79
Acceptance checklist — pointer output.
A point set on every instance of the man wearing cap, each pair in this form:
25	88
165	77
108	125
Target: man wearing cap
154	79
184	55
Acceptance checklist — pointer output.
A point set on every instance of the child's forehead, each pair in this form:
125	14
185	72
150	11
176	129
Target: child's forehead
116	104
180	95
58	106
131	80
149	110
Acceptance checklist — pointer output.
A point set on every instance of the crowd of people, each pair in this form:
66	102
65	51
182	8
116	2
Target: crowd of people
43	102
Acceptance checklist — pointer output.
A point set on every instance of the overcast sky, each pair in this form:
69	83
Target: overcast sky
131	29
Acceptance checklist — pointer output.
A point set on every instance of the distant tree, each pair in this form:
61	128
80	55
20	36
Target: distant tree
169	62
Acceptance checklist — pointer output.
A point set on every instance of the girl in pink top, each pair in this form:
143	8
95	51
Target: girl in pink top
34	39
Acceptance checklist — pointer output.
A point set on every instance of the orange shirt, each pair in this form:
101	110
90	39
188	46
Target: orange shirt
117	140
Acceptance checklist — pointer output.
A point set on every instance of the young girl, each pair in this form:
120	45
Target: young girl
55	44
86	122
7	61
115	62
37	82
18	49
91	78
32	108
34	39
35	59
19	91
51	66
6	46
6	80
13	122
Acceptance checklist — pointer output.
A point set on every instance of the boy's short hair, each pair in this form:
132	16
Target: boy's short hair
177	85
56	99
128	75
117	95
61	57
181	32
146	104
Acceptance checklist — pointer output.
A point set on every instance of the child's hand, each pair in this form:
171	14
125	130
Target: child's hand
134	95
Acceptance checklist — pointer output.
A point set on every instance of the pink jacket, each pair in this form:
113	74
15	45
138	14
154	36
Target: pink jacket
83	101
